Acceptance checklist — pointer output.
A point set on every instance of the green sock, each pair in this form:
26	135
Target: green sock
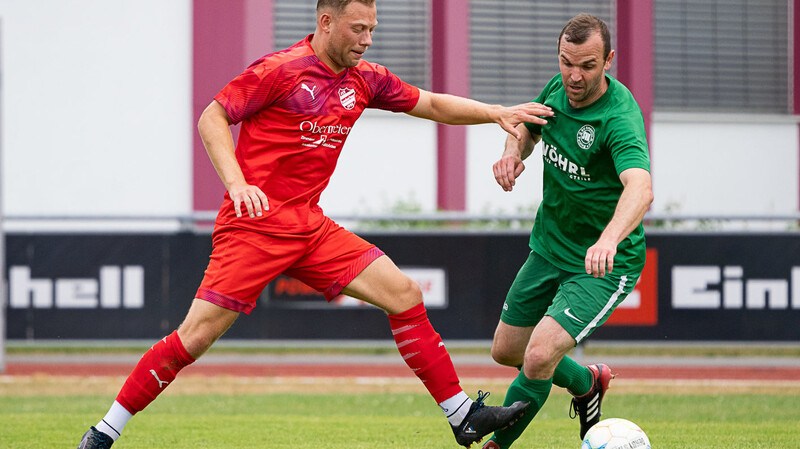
573	376
523	389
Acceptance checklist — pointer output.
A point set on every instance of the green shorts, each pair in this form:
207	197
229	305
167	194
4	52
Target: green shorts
579	302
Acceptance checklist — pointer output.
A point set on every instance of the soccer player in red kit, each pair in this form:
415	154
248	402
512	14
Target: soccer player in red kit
297	107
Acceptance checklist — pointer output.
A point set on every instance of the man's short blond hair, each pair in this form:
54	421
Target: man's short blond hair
337	6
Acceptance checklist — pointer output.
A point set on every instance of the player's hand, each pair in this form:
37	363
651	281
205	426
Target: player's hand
507	170
600	258
510	117
255	201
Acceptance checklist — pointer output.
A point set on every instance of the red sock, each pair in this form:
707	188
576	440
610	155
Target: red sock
424	352
155	370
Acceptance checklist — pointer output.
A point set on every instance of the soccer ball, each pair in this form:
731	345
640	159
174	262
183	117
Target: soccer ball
615	433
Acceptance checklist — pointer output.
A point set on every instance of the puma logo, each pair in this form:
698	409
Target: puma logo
310	90
161	383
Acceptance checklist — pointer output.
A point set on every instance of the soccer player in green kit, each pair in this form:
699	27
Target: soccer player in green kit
587	243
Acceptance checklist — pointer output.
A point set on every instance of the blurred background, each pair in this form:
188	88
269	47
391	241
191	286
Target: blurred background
107	193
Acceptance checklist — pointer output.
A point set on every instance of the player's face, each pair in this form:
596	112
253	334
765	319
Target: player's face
351	34
583	70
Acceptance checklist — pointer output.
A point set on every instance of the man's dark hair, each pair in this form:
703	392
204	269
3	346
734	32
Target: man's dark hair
581	27
339	5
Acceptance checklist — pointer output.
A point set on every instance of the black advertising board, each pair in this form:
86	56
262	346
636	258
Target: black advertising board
85	286
723	287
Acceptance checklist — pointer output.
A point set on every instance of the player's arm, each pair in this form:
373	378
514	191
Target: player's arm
637	194
214	128
454	110
510	165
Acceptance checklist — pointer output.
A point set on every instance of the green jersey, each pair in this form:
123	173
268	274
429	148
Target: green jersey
584	151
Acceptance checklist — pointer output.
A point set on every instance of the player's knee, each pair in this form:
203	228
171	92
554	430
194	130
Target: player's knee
504	356
409	293
196	341
198	336
538	363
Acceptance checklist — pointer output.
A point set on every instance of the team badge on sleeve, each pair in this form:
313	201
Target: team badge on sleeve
347	96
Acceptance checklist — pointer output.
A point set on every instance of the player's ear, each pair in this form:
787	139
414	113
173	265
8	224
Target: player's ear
324	20
608	60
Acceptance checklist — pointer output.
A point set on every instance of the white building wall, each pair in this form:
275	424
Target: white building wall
96	107
388	161
701	165
707	164
725	164
484	195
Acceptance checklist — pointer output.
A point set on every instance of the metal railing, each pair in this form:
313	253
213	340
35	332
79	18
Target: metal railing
443	221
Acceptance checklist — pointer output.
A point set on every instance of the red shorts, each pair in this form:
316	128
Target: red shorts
244	262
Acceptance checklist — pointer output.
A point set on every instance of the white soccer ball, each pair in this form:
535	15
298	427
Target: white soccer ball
615	433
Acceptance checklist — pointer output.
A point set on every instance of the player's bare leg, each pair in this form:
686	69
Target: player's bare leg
204	324
384	285
547	344
509	343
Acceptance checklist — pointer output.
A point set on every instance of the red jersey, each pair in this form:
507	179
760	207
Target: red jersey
296	115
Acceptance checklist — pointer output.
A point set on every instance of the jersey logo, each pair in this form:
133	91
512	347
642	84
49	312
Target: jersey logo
310	90
348	97
552	156
569	314
586	136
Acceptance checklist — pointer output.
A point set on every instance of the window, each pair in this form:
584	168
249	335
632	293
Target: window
722	56
514	43
401	39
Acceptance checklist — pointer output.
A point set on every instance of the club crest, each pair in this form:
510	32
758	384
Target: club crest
586	136
348	97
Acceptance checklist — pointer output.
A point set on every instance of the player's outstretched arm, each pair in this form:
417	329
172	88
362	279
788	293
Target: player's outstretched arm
637	195
214	128
454	110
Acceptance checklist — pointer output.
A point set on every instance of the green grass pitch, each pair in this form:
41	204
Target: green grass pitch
369	421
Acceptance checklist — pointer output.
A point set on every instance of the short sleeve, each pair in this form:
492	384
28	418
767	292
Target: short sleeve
627	141
249	92
389	92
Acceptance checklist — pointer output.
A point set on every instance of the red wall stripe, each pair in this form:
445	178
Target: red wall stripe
450	74
634	54
228	36
796	71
